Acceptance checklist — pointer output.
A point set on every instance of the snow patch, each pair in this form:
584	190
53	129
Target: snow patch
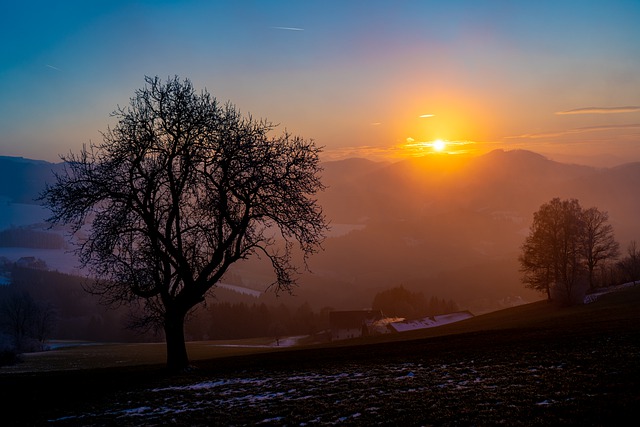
240	289
283	342
430	322
596	295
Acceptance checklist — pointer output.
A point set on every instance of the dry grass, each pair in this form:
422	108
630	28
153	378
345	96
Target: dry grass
87	356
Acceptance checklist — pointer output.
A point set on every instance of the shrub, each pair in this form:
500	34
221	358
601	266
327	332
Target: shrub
8	357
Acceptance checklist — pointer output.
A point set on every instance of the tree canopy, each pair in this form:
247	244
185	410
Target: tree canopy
401	302
180	189
564	245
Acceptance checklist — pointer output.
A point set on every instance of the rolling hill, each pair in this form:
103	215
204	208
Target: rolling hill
530	365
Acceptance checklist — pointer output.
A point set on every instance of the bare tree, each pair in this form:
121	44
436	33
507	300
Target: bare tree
28	322
565	244
179	190
17	314
44	322
551	253
598	242
630	265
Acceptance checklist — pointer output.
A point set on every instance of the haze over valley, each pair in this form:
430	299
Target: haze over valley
448	226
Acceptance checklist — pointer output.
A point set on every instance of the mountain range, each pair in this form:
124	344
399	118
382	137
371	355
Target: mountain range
445	225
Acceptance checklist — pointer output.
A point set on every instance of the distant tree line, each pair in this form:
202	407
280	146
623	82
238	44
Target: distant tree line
400	302
58	307
224	320
39	305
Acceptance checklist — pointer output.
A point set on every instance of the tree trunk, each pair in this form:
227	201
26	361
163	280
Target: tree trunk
177	359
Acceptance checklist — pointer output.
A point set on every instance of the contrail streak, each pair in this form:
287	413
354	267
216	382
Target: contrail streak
288	28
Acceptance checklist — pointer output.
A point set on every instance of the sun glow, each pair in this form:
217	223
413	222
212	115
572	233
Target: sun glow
413	148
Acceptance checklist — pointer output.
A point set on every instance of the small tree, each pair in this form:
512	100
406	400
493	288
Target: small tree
27	322
564	245
598	242
179	190
401	302
550	254
44	322
630	265
17	314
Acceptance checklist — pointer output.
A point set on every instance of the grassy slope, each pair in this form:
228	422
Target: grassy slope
538	324
543	318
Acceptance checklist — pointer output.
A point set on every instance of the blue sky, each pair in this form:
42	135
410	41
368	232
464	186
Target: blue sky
353	75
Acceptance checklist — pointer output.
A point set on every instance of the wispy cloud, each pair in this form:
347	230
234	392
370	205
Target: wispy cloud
287	28
574	131
601	110
426	116
52	67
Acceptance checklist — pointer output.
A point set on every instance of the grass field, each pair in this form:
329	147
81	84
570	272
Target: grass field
87	356
530	365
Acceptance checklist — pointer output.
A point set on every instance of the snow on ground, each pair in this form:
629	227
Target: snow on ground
58	344
282	342
430	322
594	296
240	289
288	341
453	390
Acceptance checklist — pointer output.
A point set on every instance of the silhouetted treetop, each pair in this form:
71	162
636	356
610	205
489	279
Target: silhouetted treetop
180	189
564	245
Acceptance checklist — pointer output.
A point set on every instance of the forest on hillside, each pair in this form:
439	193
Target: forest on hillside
72	313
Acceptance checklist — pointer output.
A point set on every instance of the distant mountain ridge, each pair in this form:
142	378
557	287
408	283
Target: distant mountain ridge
22	179
453	226
498	180
448	226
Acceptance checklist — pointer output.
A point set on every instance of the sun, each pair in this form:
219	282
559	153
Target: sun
438	145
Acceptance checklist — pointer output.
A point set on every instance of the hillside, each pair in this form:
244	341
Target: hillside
614	313
530	365
21	180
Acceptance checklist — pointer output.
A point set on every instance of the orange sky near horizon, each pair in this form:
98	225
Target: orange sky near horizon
354	79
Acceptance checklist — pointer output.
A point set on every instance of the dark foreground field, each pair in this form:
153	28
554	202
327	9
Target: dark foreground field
536	365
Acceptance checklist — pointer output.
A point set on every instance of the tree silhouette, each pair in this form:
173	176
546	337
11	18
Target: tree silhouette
630	265
26	320
598	242
564	245
180	189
